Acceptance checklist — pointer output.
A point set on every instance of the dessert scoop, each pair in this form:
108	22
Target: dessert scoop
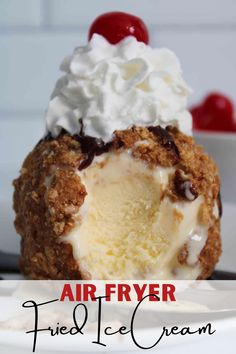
117	188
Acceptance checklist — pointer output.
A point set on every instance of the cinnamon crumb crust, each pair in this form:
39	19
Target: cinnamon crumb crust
48	193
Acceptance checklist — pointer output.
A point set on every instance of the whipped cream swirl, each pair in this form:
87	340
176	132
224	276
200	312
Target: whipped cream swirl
113	87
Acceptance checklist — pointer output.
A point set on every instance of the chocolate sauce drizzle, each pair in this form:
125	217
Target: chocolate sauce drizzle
91	147
165	139
220	206
184	187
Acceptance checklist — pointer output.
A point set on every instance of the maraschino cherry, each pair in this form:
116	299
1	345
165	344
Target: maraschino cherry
216	113
115	26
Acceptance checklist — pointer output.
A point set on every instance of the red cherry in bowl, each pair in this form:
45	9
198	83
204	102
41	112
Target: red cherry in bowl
115	26
216	113
219	111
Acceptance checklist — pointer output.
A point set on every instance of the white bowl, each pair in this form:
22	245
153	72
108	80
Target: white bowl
222	147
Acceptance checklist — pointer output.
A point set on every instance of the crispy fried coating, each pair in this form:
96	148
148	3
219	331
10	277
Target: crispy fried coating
48	194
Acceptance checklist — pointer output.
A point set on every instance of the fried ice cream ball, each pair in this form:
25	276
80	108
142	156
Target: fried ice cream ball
144	206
